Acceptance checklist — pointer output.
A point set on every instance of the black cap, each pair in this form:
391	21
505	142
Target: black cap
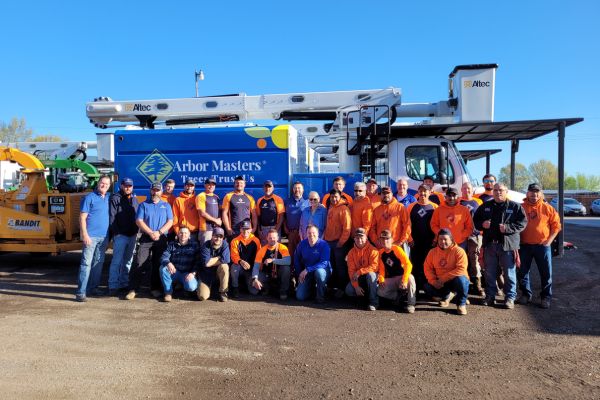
240	178
218	231
534	187
385	234
445	232
245	224
156	185
210	181
451	190
360	232
268	183
428	177
190	182
386	189
127	181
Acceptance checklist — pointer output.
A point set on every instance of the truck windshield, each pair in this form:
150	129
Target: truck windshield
424	160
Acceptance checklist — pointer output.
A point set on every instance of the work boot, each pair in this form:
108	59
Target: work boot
461	310
477	287
446	302
80	298
489	301
545	304
509	304
235	292
130	295
168	298
223	297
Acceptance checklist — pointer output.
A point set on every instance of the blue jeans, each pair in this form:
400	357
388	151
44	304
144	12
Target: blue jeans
543	259
90	268
494	256
118	272
319	277
178	276
368	283
458	285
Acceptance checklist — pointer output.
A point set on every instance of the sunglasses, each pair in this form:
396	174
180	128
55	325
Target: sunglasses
313	199
488	181
358	190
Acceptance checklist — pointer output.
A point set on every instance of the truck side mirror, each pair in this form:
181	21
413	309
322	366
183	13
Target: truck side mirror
443	163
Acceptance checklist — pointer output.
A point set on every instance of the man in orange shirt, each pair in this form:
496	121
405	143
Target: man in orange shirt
395	278
184	211
360	209
168	194
339	183
446	272
337	232
455	217
243	250
269	212
372	193
543	224
272	267
390	215
363	265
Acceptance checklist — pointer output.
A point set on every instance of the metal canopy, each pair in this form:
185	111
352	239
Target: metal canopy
484	131
472	155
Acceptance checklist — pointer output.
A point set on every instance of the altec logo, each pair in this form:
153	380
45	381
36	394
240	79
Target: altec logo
470	84
137	107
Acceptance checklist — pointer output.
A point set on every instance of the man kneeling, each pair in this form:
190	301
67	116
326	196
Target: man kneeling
446	272
395	278
214	263
272	267
179	262
312	266
363	264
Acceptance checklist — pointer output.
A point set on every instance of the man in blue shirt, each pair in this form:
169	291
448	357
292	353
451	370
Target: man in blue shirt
402	194
154	217
293	211
214	266
93	221
312	265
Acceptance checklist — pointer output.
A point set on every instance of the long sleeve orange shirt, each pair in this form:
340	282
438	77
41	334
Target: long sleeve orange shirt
458	219
185	213
445	264
362	213
362	261
391	216
394	260
542	221
339	224
375	200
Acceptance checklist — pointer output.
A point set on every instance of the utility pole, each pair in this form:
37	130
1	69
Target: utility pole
199	75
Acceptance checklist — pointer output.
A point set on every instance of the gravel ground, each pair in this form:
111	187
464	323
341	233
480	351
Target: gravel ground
55	348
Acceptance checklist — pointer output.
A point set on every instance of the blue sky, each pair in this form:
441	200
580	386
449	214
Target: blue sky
57	56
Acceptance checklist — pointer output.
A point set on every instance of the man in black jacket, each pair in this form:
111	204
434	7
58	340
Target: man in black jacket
501	221
123	230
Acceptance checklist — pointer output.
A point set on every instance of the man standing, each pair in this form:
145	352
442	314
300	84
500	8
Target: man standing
422	238
243	250
272	266
339	183
395	279
390	215
435	197
536	239
446	272
474	240
337	232
312	266
453	216
179	263
501	221
184	211
402	194
93	222
363	265
154	217
123	229
315	215
237	207
214	265
361	211
489	181
207	204
270	212
294	206
372	193
168	193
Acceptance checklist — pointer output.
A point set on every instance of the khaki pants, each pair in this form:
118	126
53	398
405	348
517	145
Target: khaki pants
206	280
392	291
473	250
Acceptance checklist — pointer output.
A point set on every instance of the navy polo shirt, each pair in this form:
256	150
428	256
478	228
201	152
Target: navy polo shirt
293	211
96	208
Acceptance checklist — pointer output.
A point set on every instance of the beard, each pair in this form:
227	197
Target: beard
155	197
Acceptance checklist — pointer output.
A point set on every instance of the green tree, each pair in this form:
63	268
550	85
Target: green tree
522	177
545	173
587	182
15	131
570	183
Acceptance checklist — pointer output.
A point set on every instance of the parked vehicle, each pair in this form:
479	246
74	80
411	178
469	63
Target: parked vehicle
571	206
595	208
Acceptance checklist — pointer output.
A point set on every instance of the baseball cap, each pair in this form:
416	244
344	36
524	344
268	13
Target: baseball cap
445	232
534	187
372	181
240	178
218	231
386	234
428	177
190	182
210	181
452	190
156	185
268	183
360	232
127	181
245	224
386	189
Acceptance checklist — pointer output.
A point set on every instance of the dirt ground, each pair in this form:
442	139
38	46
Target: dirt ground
55	348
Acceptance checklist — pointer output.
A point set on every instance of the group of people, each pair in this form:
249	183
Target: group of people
377	244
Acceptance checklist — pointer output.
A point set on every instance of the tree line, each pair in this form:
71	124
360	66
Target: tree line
17	131
545	173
